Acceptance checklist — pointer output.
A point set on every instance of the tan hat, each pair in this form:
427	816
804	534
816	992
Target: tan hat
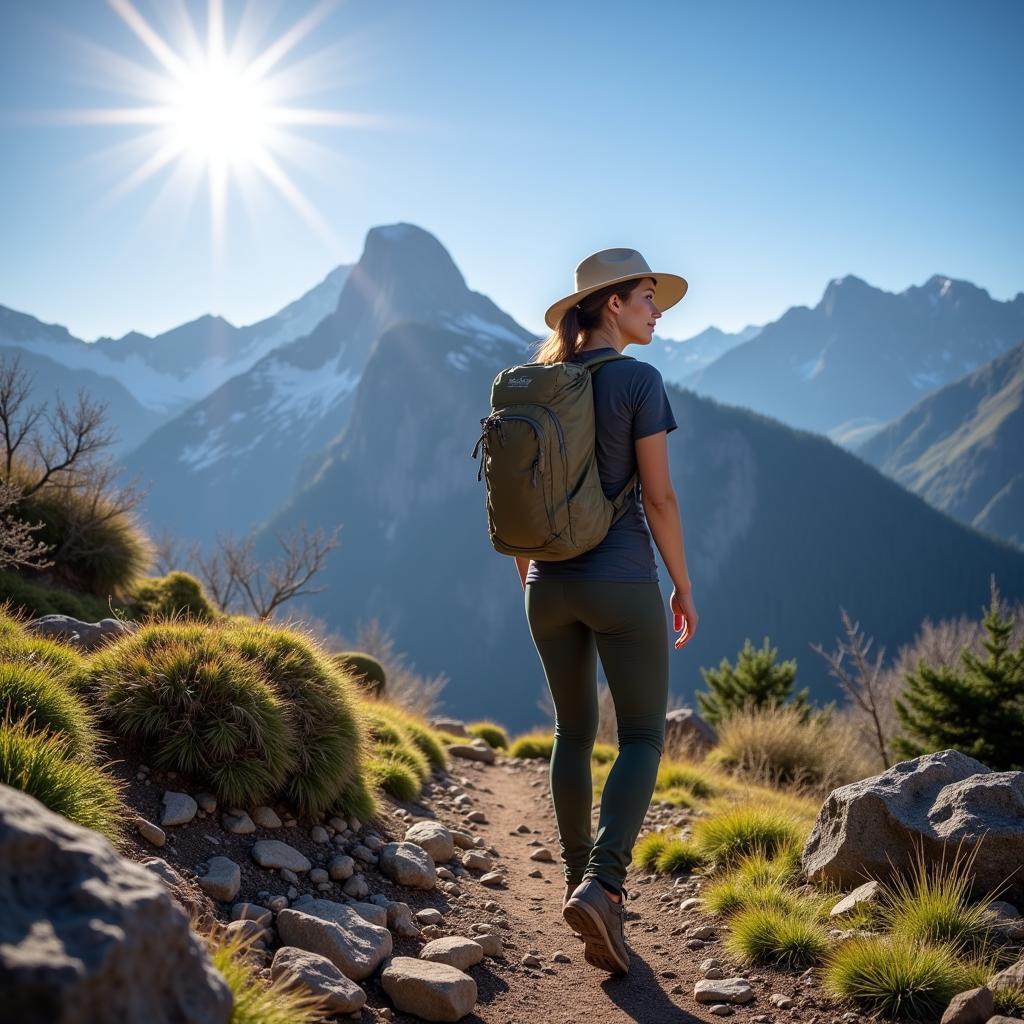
610	266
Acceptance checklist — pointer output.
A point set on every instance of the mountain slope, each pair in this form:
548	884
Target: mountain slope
679	360
232	458
863	356
962	448
782	528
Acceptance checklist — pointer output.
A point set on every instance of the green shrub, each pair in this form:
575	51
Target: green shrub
678	855
42	765
422	735
36	598
33	695
177	593
393	775
320	707
732	894
895	976
368	672
533	745
603	753
771	935
647	850
358	797
257	1001
58	660
198	707
737	831
676	775
1009	1001
934	903
782	746
491	732
387	732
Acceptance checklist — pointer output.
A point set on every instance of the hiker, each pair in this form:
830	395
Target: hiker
607	601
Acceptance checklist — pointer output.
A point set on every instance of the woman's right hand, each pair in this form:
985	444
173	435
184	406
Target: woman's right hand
684	616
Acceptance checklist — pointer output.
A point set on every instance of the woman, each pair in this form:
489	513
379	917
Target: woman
607	601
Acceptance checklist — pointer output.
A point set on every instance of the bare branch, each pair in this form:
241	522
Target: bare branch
17	548
15	386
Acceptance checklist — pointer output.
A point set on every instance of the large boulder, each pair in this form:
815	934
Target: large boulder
932	804
409	865
429	990
434	838
85	635
87	937
685	728
354	945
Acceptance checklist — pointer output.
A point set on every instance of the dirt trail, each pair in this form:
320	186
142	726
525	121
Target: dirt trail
659	986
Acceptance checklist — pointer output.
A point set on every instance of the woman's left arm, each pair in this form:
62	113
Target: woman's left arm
523	567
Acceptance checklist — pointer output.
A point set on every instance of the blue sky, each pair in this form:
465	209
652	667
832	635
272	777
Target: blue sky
757	149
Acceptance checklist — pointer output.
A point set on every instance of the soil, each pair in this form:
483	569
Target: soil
511	792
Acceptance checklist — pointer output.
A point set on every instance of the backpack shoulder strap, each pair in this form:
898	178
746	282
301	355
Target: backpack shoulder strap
593	365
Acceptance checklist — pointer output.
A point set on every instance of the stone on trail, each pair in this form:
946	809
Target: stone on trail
88	937
372	912
266	817
433	991
151	833
320	976
542	854
972	1007
341	867
178	809
463	840
429	915
238	824
251	912
866	893
357	887
337	932
400	919
222	880
725	990
409	865
937	802
1011	978
477	860
478	750
434	838
454	950
490	943
272	853
492	878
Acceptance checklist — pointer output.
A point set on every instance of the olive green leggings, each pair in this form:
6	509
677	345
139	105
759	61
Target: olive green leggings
571	622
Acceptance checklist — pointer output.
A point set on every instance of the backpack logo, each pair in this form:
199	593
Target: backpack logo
518	382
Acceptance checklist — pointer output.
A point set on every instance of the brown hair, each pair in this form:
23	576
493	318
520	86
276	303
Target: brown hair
578	320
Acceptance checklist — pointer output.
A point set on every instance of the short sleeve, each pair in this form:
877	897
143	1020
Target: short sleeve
652	411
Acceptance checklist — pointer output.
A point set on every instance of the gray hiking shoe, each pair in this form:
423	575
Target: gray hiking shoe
598	918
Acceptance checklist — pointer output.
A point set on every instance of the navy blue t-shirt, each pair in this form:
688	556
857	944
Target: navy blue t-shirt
629	403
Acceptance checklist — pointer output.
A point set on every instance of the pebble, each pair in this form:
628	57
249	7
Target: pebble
150	832
178	809
266	817
238	824
319	834
492	878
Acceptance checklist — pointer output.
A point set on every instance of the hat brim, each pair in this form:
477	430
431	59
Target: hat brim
668	290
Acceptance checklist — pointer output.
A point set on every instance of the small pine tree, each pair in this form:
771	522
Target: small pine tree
976	708
756	682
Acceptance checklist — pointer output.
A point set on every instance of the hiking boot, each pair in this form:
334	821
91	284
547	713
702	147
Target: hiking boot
598	918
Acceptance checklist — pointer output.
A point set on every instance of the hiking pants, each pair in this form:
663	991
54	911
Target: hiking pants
571	621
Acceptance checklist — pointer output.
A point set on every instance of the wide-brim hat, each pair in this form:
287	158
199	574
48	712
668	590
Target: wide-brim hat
612	266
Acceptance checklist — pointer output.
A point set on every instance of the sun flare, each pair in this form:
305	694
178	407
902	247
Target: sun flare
221	113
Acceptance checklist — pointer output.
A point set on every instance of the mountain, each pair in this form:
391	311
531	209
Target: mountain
679	360
962	447
232	458
863	356
782	527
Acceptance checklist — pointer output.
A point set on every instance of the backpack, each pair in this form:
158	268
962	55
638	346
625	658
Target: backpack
544	495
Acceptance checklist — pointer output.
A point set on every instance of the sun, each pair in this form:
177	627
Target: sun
223	114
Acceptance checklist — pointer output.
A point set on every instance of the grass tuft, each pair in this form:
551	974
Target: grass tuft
762	934
494	735
533	744
647	850
677	775
32	694
735	832
603	753
678	855
895	976
395	776
42	765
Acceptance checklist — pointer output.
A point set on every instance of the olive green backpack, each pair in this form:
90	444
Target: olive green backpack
544	496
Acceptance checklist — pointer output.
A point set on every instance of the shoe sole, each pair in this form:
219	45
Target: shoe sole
589	923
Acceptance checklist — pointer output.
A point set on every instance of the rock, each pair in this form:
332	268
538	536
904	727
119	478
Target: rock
542	854
178	809
726	990
207	802
685	728
475	751
1012	977
248	931
721	1010
493	879
973	1007
363	853
409	865
693	903
150	832
866	893
87	937
251	912
1005	919
319	835
434	838
938	801
341	868
357	887
222	880
372	912
337	932
478	817
433	991
490	943
429	915
400	919
477	860
455	950
320	976
463	840
452	726
782	1001
86	636
266	817
272	853
184	894
704	931
239	824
